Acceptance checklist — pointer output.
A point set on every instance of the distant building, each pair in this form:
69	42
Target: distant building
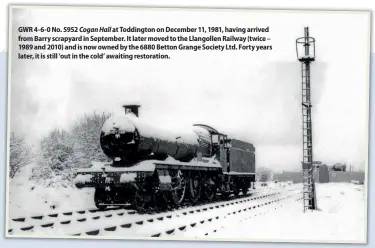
323	174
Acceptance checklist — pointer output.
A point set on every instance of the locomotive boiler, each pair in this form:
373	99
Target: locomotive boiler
152	165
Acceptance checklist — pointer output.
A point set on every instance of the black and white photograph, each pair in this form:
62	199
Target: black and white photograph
188	124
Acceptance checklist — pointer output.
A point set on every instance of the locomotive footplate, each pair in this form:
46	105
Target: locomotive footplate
112	179
103	174
106	175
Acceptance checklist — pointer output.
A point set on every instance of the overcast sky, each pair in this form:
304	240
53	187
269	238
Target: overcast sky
254	96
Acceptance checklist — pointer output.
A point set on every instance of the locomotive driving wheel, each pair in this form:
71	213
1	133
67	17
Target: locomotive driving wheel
138	202
195	186
178	190
100	197
209	188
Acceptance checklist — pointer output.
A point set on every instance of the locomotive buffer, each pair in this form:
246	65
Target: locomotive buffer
306	54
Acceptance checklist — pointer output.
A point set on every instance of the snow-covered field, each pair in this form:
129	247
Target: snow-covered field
341	216
27	198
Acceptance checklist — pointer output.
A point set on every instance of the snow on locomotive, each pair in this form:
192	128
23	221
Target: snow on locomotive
149	163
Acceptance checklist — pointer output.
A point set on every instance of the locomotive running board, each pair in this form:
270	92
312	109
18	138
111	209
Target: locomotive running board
189	166
114	204
88	177
151	165
144	166
239	174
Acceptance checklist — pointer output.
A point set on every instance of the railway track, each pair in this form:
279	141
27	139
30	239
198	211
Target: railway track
208	224
119	221
241	215
66	217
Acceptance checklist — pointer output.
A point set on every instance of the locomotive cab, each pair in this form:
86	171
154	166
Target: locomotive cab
218	140
220	146
236	157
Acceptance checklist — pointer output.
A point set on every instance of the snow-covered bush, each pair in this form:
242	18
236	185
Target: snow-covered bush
56	157
263	174
86	136
338	167
57	150
62	152
20	154
42	173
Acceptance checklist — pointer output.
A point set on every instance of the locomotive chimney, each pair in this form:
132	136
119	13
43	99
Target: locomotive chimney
132	109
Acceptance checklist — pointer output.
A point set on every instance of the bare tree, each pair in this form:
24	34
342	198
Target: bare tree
20	154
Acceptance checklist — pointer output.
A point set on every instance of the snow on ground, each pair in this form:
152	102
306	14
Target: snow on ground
341	216
340	219
28	198
123	223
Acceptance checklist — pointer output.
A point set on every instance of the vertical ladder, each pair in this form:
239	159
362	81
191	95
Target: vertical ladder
308	181
306	54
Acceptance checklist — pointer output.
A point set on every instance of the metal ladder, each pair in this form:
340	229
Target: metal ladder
306	54
307	190
308	180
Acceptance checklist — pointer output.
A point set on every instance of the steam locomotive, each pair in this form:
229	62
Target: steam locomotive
151	165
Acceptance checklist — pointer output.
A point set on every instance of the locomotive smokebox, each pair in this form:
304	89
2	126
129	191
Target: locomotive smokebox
119	138
132	109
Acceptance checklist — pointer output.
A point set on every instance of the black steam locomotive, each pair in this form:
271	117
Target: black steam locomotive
150	165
